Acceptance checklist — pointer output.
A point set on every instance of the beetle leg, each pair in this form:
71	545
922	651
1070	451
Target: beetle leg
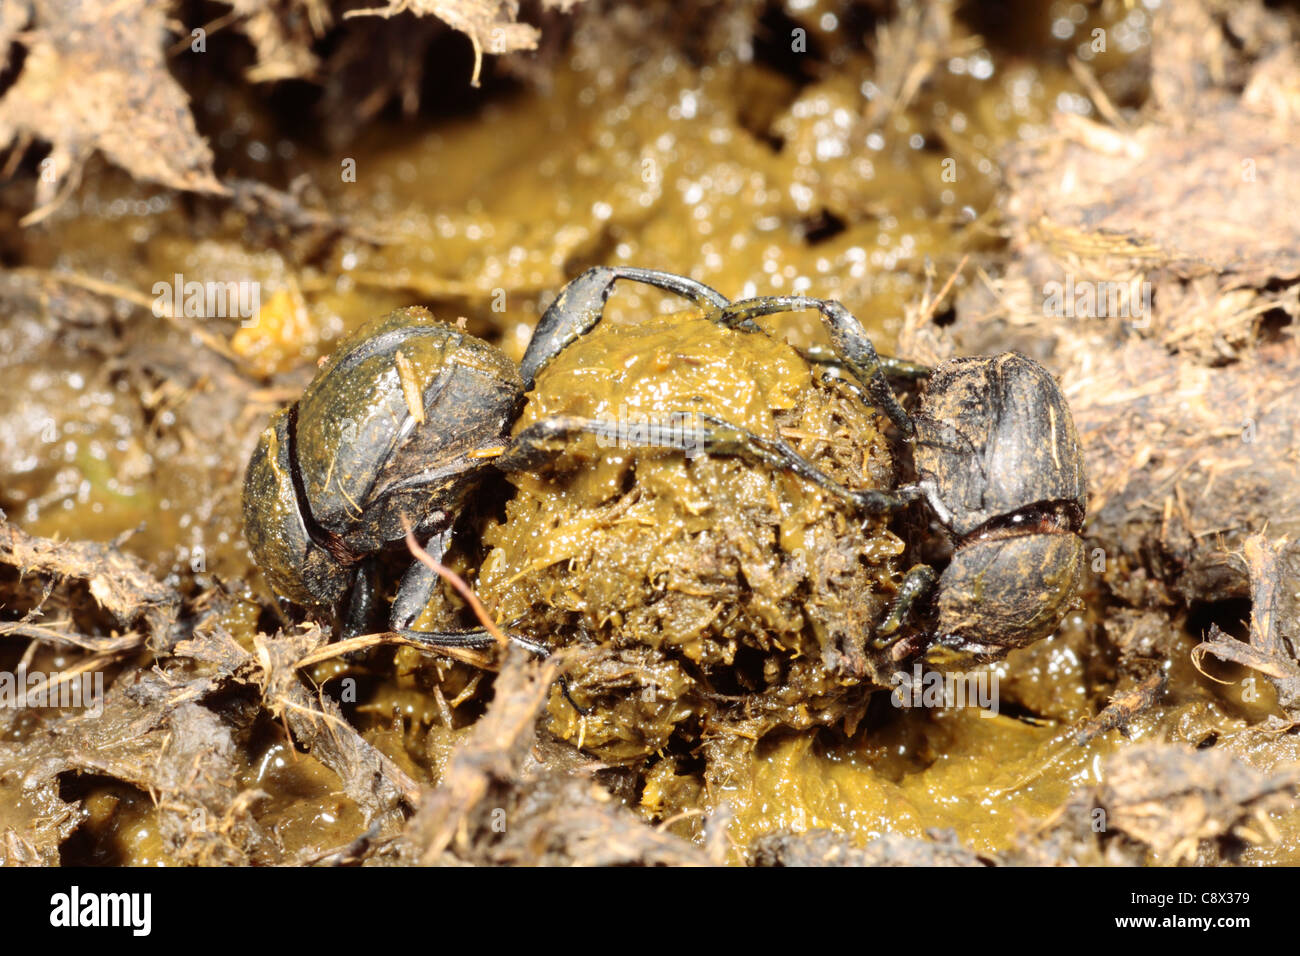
414	594
916	584
892	367
416	590
848	337
360	600
727	439
476	638
836	377
580	304
479	639
548	438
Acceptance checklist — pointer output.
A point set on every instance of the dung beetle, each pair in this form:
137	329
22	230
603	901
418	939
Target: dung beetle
391	429
396	429
998	461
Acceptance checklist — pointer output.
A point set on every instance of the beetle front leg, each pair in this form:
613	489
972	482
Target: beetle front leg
416	591
549	437
848	337
892	366
417	586
360	600
581	303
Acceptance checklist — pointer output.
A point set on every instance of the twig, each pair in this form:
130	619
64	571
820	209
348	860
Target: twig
467	655
100	645
1088	79
929	305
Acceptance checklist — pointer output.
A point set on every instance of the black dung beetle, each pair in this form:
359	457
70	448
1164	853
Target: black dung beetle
393	428
999	463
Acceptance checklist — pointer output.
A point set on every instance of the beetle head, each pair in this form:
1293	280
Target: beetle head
297	567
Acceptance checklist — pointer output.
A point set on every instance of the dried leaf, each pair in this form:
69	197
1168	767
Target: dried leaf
489	24
118	582
555	817
282	34
95	78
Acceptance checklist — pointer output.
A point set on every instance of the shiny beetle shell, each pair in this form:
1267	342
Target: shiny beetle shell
295	566
393	427
994	435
